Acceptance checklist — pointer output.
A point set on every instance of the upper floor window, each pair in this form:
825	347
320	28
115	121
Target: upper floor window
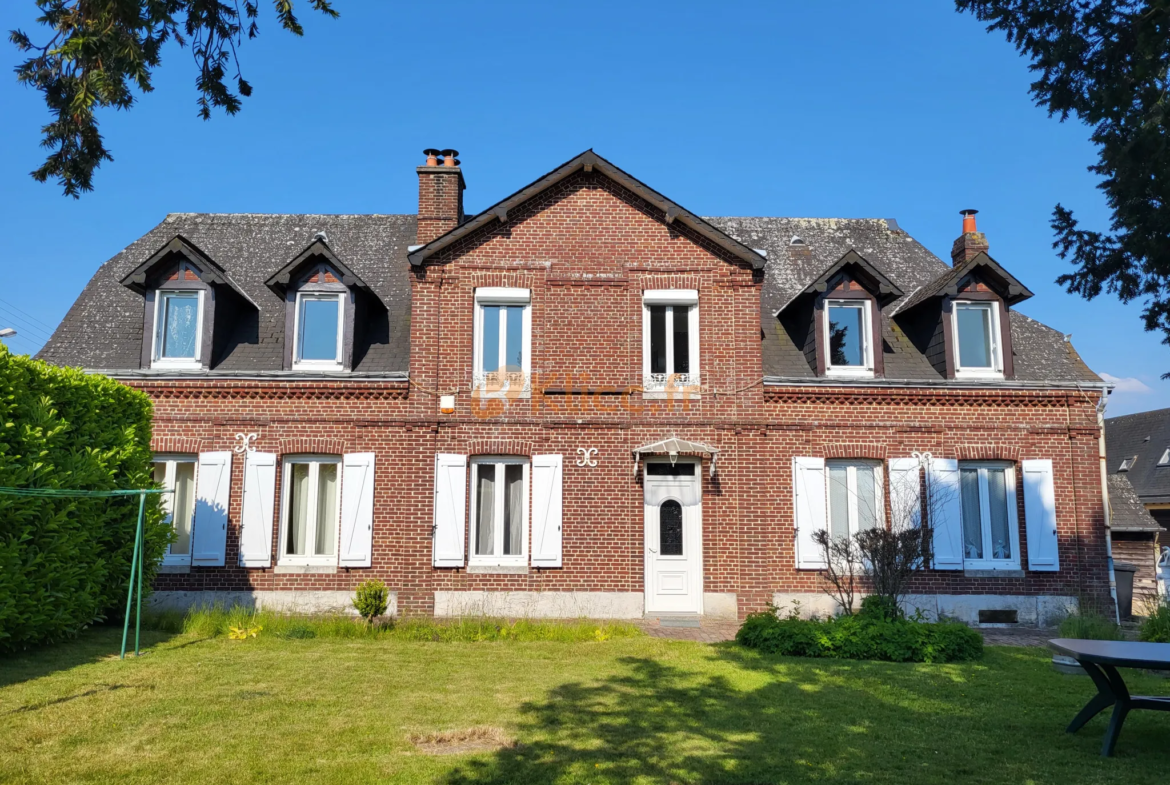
503	342
178	338
977	339
670	340
319	330
848	336
991	538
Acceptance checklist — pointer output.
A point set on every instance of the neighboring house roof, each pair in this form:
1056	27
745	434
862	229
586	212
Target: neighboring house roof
1144	437
1127	513
103	329
1041	353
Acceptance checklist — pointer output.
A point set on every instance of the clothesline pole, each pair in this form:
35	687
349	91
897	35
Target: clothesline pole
135	564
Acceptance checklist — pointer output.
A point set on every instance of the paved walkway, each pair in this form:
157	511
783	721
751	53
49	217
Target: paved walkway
716	631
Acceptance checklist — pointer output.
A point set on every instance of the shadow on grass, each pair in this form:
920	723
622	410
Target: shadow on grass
93	645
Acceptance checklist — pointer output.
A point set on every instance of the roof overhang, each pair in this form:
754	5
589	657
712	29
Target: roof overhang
212	272
318	247
590	161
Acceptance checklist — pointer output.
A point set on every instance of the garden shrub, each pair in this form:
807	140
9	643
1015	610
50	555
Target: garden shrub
371	598
1089	624
1156	627
64	563
861	637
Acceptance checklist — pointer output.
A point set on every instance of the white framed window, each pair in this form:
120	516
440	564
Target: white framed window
311	510
177	473
975	326
848	338
178	328
503	343
318	330
855	496
991	536
499	511
670	341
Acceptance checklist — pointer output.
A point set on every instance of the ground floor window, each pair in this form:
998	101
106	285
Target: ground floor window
177	473
311	510
991	538
855	496
499	511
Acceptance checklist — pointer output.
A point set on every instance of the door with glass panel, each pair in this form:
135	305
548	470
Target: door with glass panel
673	537
499	511
177	473
312	491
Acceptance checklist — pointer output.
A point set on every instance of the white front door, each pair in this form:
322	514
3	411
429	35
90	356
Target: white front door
674	537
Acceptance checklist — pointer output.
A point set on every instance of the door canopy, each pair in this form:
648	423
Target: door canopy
673	447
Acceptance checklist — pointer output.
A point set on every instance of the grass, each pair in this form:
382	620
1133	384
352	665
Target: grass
384	708
1089	625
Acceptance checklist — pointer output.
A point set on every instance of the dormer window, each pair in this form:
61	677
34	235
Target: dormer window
178	336
977	340
319	330
848	336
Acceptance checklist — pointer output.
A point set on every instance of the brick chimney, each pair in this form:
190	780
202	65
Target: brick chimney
440	194
970	243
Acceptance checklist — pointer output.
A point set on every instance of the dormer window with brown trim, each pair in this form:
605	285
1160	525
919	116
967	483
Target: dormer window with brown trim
189	306
324	305
978	343
848	337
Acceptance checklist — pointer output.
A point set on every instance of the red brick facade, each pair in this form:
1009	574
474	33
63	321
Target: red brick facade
587	249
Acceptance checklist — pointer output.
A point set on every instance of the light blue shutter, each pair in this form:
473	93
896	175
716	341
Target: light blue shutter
1040	516
357	509
212	495
945	505
256	509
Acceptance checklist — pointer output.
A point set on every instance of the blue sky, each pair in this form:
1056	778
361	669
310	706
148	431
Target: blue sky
901	110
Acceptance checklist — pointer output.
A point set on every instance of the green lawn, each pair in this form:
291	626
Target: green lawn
616	711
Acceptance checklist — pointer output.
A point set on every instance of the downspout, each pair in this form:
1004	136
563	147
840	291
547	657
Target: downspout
1105	502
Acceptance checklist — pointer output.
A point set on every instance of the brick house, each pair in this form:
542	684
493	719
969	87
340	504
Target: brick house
586	400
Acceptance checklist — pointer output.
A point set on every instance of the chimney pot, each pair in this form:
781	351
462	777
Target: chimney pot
449	157
970	243
432	156
968	220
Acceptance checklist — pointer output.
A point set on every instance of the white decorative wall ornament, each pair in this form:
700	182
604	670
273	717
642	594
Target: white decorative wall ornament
585	456
247	442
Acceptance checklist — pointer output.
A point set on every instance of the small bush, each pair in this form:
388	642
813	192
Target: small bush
861	638
1156	627
371	599
879	608
1089	625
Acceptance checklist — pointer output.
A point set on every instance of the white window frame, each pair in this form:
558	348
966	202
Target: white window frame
168	501
512	386
865	306
660	385
879	483
318	365
157	360
309	559
988	563
498	559
996	369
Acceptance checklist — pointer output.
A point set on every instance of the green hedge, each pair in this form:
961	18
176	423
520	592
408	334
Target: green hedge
64	563
861	638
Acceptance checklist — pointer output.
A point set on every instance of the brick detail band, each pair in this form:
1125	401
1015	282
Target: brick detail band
499	447
987	452
177	444
320	446
873	451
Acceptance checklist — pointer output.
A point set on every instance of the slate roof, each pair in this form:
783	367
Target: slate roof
1041	353
1145	435
1127	513
103	329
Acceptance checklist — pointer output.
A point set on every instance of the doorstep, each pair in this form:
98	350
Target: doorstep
675	619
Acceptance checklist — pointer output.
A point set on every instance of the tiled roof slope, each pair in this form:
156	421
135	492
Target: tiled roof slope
1145	435
1126	511
103	329
1041	353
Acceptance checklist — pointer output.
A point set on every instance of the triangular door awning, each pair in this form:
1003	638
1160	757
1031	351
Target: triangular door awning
674	447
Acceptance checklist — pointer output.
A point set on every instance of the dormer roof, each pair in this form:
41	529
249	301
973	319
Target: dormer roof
1004	283
859	269
181	246
319	248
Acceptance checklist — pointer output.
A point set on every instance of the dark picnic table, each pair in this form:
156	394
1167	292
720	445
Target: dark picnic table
1101	659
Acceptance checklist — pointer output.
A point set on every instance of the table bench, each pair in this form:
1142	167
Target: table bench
1101	659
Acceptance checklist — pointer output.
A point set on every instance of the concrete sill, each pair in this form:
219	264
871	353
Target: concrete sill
993	573
487	569
174	569
305	569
